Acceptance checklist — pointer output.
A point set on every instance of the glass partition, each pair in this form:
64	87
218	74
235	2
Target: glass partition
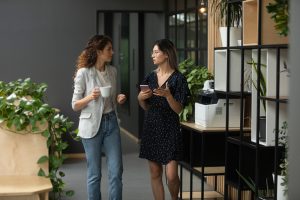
172	27
191	30
180	30
187	28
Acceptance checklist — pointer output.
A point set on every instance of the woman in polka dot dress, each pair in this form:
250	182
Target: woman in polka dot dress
161	140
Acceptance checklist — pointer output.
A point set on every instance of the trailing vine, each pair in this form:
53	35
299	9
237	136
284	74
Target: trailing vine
23	111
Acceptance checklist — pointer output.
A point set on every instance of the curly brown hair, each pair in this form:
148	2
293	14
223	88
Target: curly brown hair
88	56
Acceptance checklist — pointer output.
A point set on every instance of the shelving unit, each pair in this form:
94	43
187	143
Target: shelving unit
268	58
208	145
256	156
235	69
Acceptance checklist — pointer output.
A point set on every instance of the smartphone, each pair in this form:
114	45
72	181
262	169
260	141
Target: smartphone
144	87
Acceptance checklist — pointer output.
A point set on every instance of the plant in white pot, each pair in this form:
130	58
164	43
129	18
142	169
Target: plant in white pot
282	176
219	9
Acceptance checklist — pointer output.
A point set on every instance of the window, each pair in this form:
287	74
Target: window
187	28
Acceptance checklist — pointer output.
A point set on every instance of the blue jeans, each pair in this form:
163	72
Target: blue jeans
107	139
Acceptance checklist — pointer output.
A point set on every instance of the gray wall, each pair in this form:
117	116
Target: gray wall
294	108
152	33
41	39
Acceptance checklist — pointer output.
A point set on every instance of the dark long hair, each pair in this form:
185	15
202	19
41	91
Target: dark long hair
167	47
88	56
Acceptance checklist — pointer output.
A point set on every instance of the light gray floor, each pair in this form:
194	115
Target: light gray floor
136	181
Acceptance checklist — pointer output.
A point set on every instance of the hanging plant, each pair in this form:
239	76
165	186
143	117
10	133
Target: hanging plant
23	110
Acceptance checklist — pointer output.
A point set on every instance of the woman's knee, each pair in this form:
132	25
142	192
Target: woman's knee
172	172
156	170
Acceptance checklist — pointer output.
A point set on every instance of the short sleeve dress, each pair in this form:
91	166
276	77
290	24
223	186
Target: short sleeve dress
161	140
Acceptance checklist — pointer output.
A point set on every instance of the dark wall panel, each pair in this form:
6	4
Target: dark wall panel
41	39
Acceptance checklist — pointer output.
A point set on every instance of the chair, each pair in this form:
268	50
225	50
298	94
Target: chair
19	154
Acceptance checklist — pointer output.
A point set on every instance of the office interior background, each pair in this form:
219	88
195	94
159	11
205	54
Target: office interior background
41	39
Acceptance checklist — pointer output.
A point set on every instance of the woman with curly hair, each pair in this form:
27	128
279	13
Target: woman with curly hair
98	124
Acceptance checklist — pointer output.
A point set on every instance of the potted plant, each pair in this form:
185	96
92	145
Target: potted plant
196	76
22	111
280	15
262	88
219	9
282	176
262	85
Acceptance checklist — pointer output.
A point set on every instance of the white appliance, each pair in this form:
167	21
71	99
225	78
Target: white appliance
214	115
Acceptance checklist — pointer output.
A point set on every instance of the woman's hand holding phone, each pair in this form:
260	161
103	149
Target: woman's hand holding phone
145	92
144	87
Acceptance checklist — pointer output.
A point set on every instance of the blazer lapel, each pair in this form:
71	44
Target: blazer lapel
94	77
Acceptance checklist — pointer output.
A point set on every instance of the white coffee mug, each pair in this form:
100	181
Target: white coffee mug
105	91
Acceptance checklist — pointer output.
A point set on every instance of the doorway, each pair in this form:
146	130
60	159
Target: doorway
133	34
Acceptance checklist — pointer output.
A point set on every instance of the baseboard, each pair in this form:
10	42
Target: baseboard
76	155
82	155
130	135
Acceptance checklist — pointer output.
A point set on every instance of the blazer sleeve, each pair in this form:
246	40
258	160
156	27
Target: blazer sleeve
79	87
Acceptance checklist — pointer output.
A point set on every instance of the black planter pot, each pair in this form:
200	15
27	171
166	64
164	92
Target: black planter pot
262	129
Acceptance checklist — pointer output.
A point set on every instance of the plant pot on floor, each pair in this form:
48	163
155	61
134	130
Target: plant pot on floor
280	189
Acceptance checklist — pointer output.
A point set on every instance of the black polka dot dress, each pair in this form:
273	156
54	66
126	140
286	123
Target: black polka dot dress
161	140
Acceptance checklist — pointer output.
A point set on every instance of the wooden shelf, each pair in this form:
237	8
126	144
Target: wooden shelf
250	18
207	195
193	126
211	170
281	99
250	25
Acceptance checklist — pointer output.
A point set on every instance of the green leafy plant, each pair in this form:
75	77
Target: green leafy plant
282	139
279	13
196	76
262	85
219	8
23	110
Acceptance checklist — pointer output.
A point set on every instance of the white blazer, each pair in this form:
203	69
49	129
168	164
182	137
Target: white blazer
85	81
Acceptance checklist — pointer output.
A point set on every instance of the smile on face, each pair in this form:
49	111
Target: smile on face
107	53
158	56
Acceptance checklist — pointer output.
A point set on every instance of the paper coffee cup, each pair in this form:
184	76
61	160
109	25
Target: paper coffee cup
105	91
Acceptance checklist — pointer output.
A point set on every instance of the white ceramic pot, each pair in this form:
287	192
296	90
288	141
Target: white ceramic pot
280	189
235	35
